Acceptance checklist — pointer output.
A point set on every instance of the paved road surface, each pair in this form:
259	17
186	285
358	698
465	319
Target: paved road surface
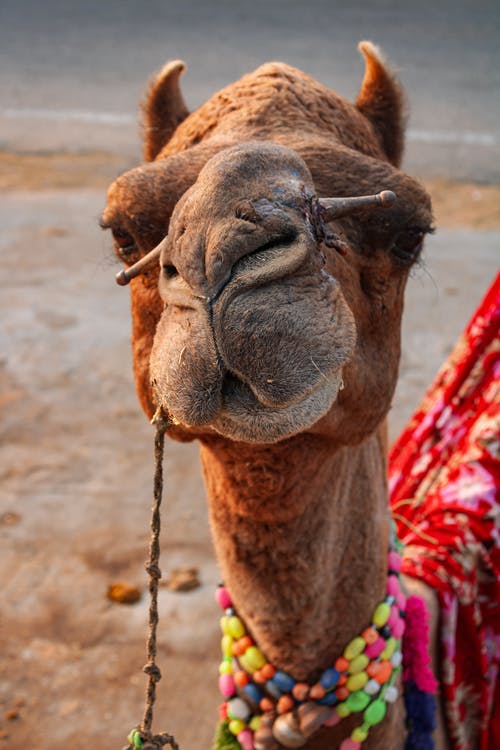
71	72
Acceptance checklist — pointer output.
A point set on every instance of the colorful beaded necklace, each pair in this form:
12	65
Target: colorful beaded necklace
264	705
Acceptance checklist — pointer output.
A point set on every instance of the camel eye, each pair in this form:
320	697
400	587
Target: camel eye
124	243
408	244
169	271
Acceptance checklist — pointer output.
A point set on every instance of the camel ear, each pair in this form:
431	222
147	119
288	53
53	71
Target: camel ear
163	109
381	100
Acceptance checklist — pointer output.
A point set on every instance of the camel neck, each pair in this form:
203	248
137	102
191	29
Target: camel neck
301	533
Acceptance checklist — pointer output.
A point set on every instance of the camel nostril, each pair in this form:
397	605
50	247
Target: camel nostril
170	271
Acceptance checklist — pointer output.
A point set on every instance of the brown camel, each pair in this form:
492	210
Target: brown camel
273	337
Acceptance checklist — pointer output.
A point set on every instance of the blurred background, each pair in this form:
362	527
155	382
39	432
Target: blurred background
76	453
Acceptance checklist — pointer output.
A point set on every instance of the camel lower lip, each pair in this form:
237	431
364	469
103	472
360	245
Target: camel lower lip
243	417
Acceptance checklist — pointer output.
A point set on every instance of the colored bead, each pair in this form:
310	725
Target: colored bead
287	731
300	691
342	680
393	617
349	744
370	635
255	723
372	687
273	689
235	627
285	703
311	717
401	601
329	678
255	657
316	692
398	629
343	710
241	645
341	664
391	694
357	681
268	671
380	671
333	719
224	625
396	659
241	678
259	677
253	693
330	699
226	685
341	693
227	645
358	701
266	704
359	734
393	587
222	597
389	649
375	712
355	647
358	664
245	664
374	649
236	726
283	681
225	667
394	561
381	614
223	711
385	632
245	738
238	709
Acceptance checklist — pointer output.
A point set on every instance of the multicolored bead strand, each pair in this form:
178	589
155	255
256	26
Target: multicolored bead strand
263	704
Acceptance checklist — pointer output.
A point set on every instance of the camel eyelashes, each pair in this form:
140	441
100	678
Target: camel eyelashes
408	244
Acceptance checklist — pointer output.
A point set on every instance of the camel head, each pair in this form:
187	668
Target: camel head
272	312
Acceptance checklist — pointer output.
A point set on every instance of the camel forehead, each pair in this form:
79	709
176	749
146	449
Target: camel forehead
253	170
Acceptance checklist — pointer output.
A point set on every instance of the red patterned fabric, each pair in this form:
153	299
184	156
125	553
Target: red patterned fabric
445	498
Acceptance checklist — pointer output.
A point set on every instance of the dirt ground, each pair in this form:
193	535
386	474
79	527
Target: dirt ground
76	461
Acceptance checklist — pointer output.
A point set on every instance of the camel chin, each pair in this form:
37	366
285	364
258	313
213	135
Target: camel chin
243	418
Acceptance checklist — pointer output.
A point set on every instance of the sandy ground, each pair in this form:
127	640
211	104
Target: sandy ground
76	461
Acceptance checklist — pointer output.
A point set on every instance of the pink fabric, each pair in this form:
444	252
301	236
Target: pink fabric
445	498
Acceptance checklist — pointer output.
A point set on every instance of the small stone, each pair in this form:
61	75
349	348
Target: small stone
183	579
123	593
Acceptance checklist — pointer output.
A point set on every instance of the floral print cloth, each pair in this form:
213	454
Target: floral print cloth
445	497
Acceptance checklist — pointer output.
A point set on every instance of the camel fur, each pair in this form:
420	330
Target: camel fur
272	348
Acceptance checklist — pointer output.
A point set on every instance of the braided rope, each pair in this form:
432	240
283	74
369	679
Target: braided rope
142	738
